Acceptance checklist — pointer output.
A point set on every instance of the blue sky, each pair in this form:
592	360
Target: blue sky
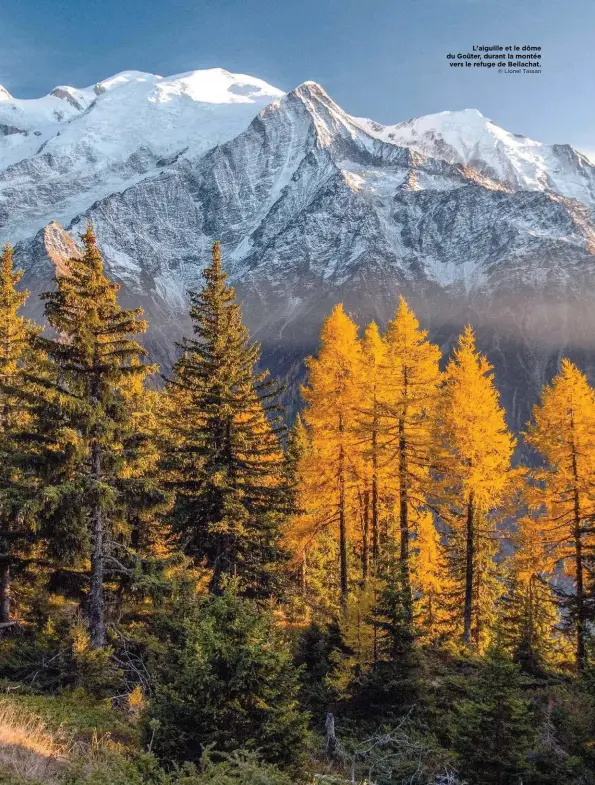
384	59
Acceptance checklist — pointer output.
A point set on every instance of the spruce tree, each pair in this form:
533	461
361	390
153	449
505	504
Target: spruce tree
84	425
295	452
493	728
224	459
529	616
228	681
297	446
391	686
17	359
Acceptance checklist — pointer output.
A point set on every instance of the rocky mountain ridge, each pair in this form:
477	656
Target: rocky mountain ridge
312	207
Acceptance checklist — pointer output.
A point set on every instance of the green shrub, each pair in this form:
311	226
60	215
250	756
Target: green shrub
228	680
241	767
59	656
494	728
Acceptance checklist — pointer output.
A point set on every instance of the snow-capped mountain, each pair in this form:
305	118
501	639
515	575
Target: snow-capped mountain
60	153
470	139
312	206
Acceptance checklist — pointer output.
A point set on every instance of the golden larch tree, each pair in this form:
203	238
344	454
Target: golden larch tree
474	450
563	433
430	581
412	376
332	395
375	467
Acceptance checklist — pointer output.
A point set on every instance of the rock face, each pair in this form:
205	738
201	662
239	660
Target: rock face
312	207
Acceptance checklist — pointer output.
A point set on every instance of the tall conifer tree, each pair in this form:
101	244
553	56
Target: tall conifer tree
297	448
376	464
431	582
224	460
563	432
17	358
84	426
529	613
473	463
493	727
333	396
412	377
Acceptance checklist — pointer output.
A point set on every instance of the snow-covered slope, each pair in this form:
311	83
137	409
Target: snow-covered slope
60	153
312	207
469	138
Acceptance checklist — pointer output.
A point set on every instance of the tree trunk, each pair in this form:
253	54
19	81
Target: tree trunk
366	537
343	537
578	560
96	599
4	592
404	523
580	588
530	631
304	573
375	530
96	609
476	632
331	743
343	567
469	558
215	582
580	606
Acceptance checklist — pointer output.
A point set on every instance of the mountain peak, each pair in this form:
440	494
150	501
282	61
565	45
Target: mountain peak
310	84
330	120
218	86
469	115
78	131
4	94
311	89
123	78
469	138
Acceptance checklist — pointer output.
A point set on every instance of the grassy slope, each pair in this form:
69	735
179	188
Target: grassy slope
43	737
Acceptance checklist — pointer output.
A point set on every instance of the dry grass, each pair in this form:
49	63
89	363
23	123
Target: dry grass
27	748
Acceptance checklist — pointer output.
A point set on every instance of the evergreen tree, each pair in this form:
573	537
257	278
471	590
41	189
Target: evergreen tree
391	686
332	396
529	615
474	449
392	610
358	636
563	433
297	446
17	359
227	680
224	459
85	429
493	728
